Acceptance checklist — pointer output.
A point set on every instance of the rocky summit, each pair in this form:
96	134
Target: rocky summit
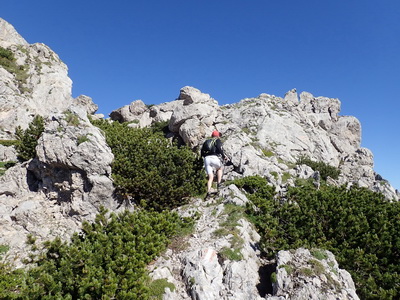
68	180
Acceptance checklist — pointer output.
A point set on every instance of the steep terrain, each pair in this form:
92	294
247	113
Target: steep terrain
70	177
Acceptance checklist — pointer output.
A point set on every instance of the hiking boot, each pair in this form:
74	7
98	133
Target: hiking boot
212	191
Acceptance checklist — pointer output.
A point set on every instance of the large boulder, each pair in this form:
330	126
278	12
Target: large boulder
195	117
315	275
73	161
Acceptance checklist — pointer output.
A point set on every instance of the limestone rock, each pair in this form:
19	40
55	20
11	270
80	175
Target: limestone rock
206	272
129	113
9	35
44	89
64	185
194	118
87	103
302	275
7	153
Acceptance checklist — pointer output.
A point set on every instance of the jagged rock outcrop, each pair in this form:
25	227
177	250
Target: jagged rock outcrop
42	86
8	34
192	109
64	185
69	179
74	162
267	135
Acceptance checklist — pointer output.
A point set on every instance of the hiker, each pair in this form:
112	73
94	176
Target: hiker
213	159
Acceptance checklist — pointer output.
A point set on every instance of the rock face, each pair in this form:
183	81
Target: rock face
8	34
69	179
45	87
64	185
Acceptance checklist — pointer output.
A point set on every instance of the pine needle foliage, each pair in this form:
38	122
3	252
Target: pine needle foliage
28	138
11	281
147	167
107	260
359	226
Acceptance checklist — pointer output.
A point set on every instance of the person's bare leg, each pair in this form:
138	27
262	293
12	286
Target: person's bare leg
210	181
219	175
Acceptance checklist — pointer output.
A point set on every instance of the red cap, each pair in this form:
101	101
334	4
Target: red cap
215	133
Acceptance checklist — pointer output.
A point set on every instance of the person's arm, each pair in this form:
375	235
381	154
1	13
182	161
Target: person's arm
220	150
202	150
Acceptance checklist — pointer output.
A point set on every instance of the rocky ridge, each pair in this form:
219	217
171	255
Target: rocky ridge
70	178
266	135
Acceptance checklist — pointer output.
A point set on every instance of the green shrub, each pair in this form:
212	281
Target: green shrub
161	126
146	166
274	278
324	169
28	138
268	153
289	269
359	226
11	281
306	272
317	267
6	56
255	185
3	249
286	176
106	261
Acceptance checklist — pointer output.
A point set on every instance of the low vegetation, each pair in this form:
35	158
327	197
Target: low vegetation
28	138
8	62
107	260
359	226
324	169
150	169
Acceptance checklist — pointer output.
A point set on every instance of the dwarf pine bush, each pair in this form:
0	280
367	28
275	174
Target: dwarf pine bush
107	260
28	138
147	167
359	226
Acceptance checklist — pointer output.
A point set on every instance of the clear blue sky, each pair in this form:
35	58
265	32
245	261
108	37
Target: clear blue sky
120	51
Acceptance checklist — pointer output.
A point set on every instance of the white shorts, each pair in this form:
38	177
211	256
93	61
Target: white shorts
211	163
